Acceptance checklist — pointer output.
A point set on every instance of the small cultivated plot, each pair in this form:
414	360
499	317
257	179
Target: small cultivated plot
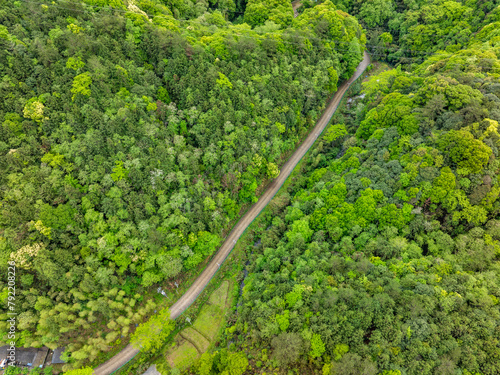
209	320
193	341
196	338
219	297
183	355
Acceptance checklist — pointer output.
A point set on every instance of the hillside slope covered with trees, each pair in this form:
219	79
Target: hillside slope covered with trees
383	254
408	31
132	134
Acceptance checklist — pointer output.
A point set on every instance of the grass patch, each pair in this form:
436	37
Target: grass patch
209	320
378	67
219	297
183	356
196	338
203	332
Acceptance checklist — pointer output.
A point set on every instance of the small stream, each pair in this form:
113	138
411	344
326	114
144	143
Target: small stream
242	285
245	273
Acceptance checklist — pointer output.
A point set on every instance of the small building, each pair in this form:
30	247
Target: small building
56	357
24	356
41	356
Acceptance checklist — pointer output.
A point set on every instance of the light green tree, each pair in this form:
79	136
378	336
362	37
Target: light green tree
283	320
223	81
237	364
81	85
464	150
34	110
81	371
334	132
74	63
272	170
149	336
317	346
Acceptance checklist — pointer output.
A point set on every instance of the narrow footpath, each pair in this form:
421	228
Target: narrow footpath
201	282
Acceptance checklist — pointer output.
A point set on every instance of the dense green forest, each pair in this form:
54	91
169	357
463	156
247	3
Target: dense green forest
133	135
404	30
383	254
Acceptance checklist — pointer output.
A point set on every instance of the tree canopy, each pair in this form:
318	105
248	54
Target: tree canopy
132	136
382	255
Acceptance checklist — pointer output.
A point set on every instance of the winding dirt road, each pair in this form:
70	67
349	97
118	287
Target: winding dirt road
202	281
295	6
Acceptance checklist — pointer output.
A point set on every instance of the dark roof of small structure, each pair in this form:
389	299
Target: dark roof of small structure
56	357
23	355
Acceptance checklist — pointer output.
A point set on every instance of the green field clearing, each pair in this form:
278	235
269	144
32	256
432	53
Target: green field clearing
183	356
196	338
219	297
209	320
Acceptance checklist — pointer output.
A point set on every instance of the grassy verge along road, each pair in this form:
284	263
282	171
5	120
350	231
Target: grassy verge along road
201	282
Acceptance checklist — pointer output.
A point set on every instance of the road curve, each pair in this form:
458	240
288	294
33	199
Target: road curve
202	281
